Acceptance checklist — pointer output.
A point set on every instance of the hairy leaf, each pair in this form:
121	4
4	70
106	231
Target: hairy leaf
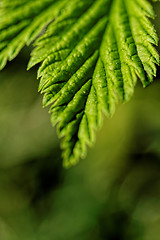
91	55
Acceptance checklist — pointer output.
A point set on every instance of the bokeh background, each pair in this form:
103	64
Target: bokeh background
114	194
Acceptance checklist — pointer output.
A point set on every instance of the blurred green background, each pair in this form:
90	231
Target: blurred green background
114	194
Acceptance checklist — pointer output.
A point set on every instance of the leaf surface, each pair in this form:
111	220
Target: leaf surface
91	55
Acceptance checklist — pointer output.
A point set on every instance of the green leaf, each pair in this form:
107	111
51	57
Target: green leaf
21	21
91	55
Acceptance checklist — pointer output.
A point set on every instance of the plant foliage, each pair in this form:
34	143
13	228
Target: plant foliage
91	54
